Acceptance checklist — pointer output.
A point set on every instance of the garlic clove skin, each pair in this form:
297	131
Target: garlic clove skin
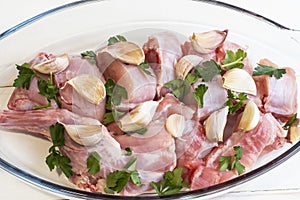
53	65
215	125
207	42
186	64
139	117
90	87
126	52
250	117
239	80
293	135
85	135
175	125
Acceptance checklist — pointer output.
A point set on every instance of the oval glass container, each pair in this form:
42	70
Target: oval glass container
85	25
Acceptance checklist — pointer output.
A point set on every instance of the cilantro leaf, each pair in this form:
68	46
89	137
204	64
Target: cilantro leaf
116	39
90	56
232	162
55	158
179	88
128	151
171	183
208	70
268	70
141	131
93	163
144	66
235	101
290	122
57	135
117	180
199	94
234	60
24	77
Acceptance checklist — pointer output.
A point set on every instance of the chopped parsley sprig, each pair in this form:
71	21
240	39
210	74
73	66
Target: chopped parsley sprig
90	56
235	101
171	183
234	59
93	163
46	87
116	39
233	162
268	70
55	158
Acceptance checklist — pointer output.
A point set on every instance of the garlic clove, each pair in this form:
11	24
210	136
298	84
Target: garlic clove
186	64
139	117
293	135
215	125
90	87
239	80
207	42
53	65
86	135
175	125
127	52
250	117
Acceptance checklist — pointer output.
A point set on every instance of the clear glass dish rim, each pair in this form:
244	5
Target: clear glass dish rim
76	193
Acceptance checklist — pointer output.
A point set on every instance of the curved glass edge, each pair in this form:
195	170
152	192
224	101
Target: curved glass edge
70	192
77	3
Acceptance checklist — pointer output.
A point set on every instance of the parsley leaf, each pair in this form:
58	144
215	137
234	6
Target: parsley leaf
268	70
171	183
141	131
290	122
232	162
208	70
199	94
116	39
90	56
93	163
128	151
144	66
179	88
235	102
24	77
234	60
117	180
55	158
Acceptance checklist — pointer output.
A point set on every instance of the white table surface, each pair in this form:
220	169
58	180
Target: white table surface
283	182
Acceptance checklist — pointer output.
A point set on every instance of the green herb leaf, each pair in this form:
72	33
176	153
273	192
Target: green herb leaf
90	56
232	162
234	60
191	78
55	158
116	39
57	132
208	70
116	181
141	131
268	70
25	75
128	151
172	183
235	102
134	176
199	94
290	122
144	66
179	88
93	163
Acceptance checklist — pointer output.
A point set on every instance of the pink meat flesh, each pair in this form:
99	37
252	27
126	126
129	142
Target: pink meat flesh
162	51
264	137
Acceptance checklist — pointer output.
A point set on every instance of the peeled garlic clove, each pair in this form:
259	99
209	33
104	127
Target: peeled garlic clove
175	125
127	52
293	135
239	80
250	117
53	65
186	64
86	135
139	117
207	42
90	87
215	125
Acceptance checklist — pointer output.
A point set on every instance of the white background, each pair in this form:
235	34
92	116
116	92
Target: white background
280	183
